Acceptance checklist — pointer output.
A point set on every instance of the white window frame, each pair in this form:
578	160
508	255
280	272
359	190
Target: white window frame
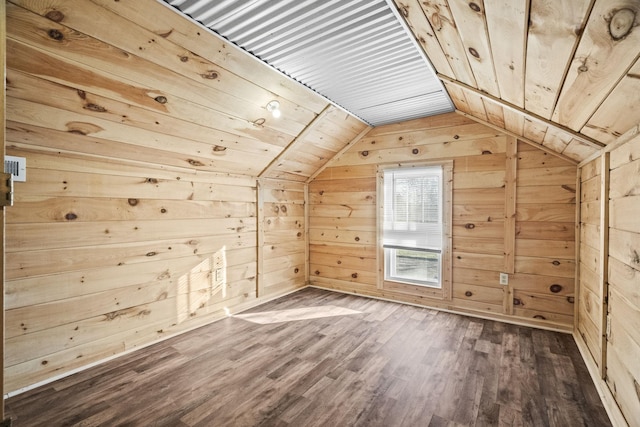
404	286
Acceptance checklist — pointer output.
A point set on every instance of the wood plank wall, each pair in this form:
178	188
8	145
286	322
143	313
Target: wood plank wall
284	236
589	323
142	215
513	211
623	343
608	323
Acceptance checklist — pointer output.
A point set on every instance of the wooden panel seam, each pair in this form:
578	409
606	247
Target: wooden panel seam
578	136
576	313
623	139
260	238
340	153
510	219
519	137
3	37
307	241
297	140
604	259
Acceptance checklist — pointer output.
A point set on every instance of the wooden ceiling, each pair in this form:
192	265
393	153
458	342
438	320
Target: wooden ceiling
144	84
563	74
135	81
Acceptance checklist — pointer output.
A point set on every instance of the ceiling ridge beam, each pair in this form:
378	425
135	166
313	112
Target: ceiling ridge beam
533	117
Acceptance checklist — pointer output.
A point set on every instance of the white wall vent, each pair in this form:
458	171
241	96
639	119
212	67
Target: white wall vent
16	166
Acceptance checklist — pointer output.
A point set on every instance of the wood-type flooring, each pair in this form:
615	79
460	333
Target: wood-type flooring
376	363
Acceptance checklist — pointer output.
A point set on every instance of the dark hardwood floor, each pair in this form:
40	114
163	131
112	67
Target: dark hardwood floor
388	365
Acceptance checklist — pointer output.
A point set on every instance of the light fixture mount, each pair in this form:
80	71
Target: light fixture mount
274	108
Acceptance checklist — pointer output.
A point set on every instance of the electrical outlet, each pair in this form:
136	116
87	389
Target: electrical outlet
504	279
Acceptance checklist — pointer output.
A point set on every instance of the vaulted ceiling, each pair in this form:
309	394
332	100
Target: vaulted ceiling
357	53
144	83
562	74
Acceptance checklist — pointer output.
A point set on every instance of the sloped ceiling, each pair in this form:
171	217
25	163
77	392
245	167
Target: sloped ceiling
355	52
562	74
136	81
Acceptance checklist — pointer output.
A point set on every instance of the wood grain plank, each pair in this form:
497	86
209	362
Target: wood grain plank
439	15
472	30
507	27
607	50
554	31
424	34
607	124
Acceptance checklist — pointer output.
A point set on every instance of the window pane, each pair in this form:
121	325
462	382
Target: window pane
413	207
417	267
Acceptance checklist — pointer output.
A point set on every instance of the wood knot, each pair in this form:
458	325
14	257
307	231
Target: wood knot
621	23
468	293
163	210
161	99
209	75
296	270
357	239
405	11
456	136
195	162
474	7
152	180
555	288
55	15
55	34
571	300
364	153
415	151
539	316
44	362
133	202
71	216
219	149
299	234
354	275
95	107
259	122
283	209
151	253
556	263
485	152
474	53
184	58
469	226
516	301
583	68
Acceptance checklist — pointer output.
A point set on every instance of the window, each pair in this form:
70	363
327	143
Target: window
415	226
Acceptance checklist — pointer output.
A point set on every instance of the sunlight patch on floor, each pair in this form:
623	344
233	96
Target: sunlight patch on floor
292	314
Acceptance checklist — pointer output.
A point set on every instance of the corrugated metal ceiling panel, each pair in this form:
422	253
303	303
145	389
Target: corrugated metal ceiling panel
356	53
